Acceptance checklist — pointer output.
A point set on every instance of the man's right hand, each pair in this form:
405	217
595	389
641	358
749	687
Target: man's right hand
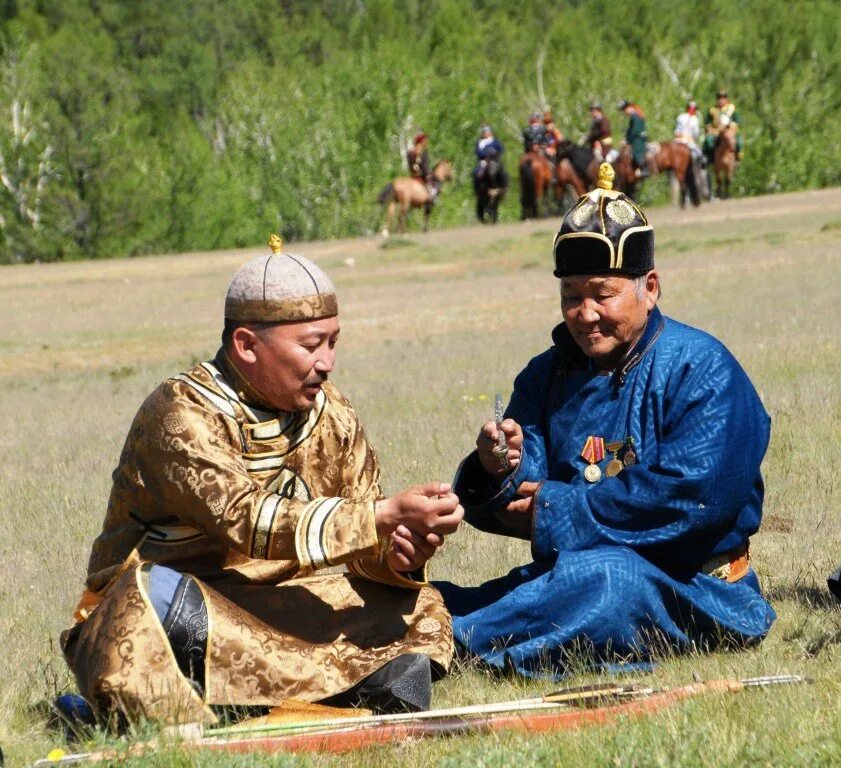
486	442
430	510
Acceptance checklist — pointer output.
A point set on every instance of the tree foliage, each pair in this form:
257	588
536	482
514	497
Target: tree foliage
169	125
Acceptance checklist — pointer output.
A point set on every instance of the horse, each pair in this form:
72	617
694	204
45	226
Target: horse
409	192
676	158
490	187
567	178
724	160
671	156
535	178
626	178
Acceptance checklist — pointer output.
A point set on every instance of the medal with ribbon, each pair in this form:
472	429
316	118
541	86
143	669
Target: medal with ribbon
614	466
593	453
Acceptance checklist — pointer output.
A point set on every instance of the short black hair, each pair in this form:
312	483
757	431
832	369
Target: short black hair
231	325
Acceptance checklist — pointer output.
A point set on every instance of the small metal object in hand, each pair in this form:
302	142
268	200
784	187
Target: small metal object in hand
500	450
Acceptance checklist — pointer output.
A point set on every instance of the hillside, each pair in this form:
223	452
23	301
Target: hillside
169	125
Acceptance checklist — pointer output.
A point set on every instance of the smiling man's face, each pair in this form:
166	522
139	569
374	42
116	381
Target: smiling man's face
606	314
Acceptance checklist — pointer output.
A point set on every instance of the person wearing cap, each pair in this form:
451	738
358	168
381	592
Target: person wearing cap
632	466
534	134
417	158
488	147
553	136
724	113
598	138
241	480
636	136
688	130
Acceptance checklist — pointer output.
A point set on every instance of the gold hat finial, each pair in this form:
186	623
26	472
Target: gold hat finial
606	176
276	244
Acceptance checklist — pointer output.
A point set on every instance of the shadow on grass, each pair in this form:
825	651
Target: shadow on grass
397	242
808	597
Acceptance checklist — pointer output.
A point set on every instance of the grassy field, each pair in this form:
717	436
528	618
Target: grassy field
433	326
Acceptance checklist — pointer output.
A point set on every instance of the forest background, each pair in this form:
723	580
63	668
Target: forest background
170	125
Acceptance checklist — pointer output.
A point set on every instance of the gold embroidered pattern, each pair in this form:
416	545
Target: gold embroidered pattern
620	211
583	213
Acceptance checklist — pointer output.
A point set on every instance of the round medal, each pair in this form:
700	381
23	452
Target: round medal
592	473
613	468
629	459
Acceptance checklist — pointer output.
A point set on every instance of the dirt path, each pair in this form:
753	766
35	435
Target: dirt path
796	204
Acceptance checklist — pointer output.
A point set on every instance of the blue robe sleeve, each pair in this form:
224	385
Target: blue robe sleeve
689	497
485	499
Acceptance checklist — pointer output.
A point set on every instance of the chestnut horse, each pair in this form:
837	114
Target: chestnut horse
407	193
567	178
535	178
724	160
671	156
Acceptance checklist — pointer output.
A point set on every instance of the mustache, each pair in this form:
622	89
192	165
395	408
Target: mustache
316	381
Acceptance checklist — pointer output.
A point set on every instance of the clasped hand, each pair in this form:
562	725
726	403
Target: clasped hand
416	520
520	510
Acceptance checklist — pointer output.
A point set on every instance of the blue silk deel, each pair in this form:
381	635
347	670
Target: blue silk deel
619	563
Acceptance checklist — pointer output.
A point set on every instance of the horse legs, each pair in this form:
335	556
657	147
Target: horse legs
426	212
389	215
404	213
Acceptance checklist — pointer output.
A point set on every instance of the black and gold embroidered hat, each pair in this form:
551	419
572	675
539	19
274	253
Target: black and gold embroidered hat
604	233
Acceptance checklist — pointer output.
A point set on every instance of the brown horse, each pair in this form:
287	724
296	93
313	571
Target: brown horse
535	178
669	156
626	176
724	160
407	193
676	158
567	178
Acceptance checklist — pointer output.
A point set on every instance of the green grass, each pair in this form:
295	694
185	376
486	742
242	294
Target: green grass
429	335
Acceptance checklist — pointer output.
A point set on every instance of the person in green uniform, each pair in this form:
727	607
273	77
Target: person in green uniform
636	135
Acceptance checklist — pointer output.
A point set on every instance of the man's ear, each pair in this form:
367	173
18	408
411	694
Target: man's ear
652	289
243	341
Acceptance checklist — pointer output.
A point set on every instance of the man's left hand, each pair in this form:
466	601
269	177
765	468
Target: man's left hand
410	551
519	512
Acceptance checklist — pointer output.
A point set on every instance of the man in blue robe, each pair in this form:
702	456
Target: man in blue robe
633	452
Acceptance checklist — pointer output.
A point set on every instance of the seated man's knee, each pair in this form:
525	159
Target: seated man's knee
179	605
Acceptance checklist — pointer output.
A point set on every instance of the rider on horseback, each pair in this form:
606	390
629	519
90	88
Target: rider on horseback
417	159
488	148
534	134
724	113
636	136
688	129
598	138
553	136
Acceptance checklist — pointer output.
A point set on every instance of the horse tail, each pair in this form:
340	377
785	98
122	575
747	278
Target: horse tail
691	183
387	194
528	194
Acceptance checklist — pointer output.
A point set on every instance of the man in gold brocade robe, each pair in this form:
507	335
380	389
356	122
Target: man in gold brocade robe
239	481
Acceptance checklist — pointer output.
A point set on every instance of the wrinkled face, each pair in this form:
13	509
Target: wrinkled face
288	363
607	314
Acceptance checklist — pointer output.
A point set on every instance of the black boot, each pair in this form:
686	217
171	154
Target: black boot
402	685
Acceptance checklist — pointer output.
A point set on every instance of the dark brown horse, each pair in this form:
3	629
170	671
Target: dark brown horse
408	193
535	178
724	160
